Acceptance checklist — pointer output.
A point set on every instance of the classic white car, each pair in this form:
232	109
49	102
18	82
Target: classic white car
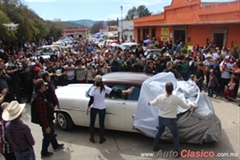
131	112
120	109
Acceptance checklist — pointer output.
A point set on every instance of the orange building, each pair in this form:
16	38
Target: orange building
193	21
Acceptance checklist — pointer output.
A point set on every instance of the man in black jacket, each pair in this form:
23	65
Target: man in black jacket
42	114
150	68
174	71
28	75
3	87
199	77
139	51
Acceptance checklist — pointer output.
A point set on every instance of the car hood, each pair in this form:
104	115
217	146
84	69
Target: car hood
73	90
195	126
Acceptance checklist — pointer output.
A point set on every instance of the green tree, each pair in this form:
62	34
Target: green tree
235	51
54	30
142	11
31	26
97	26
131	12
5	34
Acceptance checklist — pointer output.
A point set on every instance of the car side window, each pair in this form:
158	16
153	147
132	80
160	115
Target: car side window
117	94
134	94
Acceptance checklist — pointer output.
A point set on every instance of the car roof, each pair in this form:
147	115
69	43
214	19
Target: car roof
129	43
153	49
47	46
130	78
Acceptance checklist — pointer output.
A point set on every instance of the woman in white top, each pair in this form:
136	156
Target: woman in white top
97	105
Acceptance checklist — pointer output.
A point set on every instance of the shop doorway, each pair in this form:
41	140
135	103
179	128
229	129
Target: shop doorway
145	34
139	39
179	36
218	39
153	32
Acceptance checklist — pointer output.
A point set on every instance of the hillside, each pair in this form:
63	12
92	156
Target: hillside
84	22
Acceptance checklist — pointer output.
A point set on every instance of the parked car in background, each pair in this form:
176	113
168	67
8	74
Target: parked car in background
129	46
46	51
99	40
156	52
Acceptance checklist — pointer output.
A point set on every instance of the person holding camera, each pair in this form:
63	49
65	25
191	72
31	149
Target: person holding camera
13	70
89	74
28	75
59	73
80	72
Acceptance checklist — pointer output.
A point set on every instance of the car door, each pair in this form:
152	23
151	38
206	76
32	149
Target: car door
115	114
115	109
131	105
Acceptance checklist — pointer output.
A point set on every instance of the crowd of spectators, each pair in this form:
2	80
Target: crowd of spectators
84	59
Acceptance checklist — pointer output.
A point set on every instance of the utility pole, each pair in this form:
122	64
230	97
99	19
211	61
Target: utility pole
122	24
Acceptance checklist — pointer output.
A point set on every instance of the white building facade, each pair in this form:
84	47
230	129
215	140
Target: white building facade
126	28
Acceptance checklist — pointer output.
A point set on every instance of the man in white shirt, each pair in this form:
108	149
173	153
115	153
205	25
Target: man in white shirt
225	68
215	54
70	72
167	115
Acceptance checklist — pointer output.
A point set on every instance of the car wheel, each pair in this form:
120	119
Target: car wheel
64	121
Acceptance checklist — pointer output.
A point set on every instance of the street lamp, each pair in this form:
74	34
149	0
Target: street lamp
122	23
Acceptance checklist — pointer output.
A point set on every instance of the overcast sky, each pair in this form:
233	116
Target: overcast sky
93	9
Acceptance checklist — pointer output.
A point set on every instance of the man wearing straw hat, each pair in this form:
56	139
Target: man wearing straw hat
18	134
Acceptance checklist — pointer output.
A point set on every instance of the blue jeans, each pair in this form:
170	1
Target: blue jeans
171	123
47	139
101	113
184	75
25	155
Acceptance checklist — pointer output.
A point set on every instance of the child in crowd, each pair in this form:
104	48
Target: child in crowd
213	83
229	90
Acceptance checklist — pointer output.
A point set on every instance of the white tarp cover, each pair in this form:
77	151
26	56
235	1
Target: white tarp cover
195	126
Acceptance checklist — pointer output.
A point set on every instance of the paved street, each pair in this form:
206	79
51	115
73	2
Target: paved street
122	145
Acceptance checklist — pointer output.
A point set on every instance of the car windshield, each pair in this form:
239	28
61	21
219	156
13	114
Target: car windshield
46	50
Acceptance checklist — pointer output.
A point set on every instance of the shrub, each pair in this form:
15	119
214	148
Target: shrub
235	51
184	50
156	45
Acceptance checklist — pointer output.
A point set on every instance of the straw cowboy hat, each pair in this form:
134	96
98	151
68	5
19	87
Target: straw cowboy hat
2	157
12	111
4	105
